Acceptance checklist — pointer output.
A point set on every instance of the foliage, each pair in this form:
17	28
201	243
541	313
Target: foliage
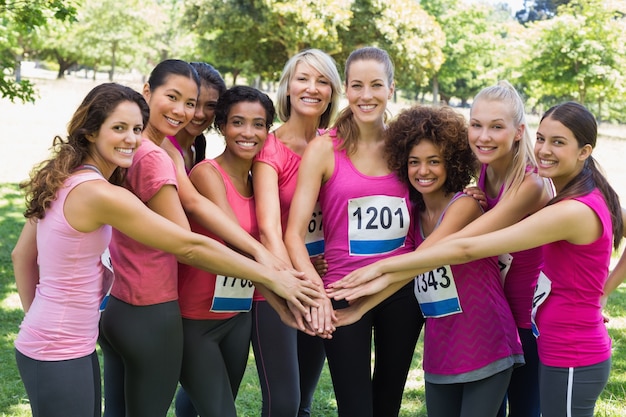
18	20
578	55
412	37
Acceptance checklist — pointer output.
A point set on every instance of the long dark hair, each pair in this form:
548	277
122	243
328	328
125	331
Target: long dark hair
583	125
48	176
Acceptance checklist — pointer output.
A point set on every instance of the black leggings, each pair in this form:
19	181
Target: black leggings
397	323
62	388
143	349
522	396
480	398
289	364
215	355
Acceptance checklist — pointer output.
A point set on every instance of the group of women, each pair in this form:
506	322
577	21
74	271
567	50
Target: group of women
208	255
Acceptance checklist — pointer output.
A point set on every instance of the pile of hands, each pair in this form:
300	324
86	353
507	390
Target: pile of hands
313	312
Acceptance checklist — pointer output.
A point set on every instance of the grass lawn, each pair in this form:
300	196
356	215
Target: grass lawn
14	403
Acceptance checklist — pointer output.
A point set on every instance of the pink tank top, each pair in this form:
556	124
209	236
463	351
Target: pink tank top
365	218
62	322
570	323
522	274
482	333
197	288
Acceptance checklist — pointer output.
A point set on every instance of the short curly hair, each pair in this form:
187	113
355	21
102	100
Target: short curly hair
446	129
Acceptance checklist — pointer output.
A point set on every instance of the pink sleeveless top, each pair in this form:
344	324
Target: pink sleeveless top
570	323
62	322
365	218
482	339
196	288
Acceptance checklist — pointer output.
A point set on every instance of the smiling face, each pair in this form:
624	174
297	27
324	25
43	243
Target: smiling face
245	130
492	131
426	168
115	143
172	106
558	154
309	91
204	111
368	90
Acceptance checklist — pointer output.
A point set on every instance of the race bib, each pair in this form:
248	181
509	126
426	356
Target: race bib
377	224
232	295
542	291
436	293
314	238
504	263
107	278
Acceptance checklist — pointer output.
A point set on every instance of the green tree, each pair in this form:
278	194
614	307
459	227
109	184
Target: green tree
256	37
18	21
112	35
412	37
473	34
579	55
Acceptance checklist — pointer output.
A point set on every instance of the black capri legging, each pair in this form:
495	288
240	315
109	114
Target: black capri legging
62	388
143	350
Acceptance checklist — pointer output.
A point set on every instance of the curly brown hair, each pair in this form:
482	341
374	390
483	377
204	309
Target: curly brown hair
67	154
447	130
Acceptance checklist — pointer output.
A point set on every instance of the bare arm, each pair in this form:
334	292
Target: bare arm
103	203
316	167
459	214
212	218
25	268
568	220
531	196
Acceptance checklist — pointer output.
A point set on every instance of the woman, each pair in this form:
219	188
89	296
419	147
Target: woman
190	141
141	329
215	309
499	136
428	149
289	362
575	231
57	260
347	168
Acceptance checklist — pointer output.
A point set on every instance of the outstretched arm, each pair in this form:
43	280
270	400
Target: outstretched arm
567	220
109	204
371	293
209	215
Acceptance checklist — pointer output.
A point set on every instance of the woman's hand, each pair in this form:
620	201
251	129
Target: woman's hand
357	277
367	287
320	264
478	195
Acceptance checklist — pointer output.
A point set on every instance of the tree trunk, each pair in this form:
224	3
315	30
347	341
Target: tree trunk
435	91
113	49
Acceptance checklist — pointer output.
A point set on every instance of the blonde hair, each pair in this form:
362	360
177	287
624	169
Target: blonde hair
326	66
523	149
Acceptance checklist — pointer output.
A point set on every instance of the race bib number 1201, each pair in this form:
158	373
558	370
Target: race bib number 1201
377	224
